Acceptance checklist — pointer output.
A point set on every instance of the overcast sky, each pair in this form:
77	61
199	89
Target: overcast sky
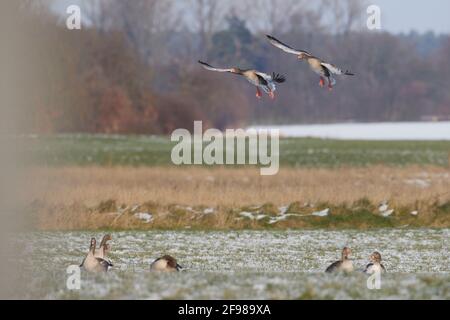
397	15
419	15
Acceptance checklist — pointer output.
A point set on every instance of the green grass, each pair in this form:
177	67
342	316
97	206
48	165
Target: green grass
112	150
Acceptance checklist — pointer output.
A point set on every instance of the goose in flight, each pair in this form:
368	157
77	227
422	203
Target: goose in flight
323	69
261	80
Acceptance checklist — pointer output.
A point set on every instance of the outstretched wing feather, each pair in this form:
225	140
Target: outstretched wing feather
211	68
280	45
335	70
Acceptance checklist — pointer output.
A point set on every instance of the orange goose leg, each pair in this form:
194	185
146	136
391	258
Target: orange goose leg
330	86
322	82
271	95
258	93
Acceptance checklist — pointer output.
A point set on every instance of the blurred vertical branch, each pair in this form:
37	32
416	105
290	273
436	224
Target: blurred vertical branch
18	80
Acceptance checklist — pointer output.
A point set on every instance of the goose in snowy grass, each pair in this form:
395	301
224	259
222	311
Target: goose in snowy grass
323	69
165	264
261	80
343	265
94	264
104	247
375	265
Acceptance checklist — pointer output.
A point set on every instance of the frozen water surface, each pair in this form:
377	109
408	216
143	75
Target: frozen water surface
244	265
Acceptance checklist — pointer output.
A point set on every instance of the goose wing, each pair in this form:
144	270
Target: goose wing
211	68
368	268
265	76
270	78
335	70
280	45
105	264
334	267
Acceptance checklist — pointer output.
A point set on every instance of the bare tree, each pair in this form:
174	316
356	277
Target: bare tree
207	17
343	15
143	22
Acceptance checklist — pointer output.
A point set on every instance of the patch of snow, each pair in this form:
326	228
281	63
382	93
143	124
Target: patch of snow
278	219
322	213
283	217
368	131
383	207
387	213
419	183
251	216
144	216
283	210
208	211
246	214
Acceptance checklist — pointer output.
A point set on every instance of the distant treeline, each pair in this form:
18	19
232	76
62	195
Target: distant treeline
133	68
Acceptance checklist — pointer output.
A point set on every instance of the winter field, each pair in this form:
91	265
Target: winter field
117	150
237	234
244	265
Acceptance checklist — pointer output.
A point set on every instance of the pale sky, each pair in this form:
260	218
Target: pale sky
396	15
420	15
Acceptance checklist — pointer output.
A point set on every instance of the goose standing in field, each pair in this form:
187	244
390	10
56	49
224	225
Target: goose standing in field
323	69
343	265
94	264
259	79
165	264
375	265
104	247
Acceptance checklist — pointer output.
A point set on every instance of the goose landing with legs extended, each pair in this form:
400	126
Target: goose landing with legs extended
324	69
261	80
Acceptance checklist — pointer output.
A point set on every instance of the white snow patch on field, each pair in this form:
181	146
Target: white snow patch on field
146	217
368	131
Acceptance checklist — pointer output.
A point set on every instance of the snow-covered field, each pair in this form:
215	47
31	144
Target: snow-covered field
368	131
244	265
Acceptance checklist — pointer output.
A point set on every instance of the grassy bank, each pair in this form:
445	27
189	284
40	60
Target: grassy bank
216	199
360	215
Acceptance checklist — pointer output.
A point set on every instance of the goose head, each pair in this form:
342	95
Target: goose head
303	55
375	257
105	239
236	71
104	246
346	252
93	245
